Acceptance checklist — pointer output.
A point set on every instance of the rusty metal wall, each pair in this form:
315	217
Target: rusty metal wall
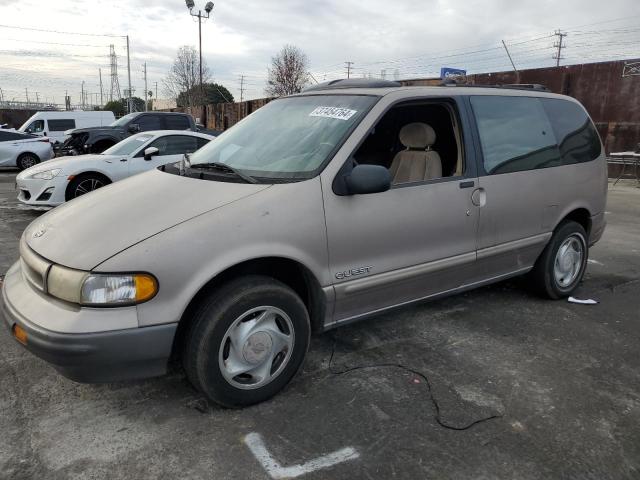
613	101
15	118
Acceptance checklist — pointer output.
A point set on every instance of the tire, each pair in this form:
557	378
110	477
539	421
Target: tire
560	282
220	340
85	183
27	160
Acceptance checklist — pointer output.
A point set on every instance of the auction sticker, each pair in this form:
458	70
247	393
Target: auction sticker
333	112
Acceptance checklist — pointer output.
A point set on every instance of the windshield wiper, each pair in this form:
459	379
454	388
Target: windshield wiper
226	168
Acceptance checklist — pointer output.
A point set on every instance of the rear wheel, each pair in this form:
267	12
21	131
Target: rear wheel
563	262
85	183
27	160
247	341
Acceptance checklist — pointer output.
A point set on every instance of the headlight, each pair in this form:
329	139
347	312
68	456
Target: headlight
128	289
46	175
100	290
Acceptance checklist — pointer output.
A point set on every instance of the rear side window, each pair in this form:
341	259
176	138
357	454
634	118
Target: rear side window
12	136
148	122
177	122
577	138
61	125
515	134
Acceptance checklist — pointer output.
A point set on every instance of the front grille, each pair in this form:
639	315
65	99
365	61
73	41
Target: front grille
34	267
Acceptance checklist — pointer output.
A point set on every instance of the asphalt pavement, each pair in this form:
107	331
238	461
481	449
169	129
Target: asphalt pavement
492	384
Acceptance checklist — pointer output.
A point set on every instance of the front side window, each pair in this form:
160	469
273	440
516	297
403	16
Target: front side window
288	138
173	145
129	145
577	137
515	134
149	122
36	126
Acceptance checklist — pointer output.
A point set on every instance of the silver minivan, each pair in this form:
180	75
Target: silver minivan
319	209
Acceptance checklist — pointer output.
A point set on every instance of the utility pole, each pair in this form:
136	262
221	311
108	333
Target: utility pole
82	95
101	100
241	88
146	89
129	75
348	67
207	13
37	98
559	46
26	92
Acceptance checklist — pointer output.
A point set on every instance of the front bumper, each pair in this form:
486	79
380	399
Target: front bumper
36	192
111	356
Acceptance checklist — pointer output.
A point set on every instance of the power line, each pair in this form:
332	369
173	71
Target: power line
62	33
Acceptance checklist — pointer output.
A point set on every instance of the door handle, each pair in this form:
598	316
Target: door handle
123	159
467	184
479	197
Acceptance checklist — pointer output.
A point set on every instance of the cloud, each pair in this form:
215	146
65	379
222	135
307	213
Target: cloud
412	37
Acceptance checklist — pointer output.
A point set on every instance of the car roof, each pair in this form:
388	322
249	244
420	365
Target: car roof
176	132
435	91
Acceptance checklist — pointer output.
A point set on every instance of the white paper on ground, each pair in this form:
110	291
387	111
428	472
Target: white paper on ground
590	301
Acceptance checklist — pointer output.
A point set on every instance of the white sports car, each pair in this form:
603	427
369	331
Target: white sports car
22	150
66	178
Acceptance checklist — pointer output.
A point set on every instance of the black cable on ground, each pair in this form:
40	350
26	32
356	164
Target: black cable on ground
434	401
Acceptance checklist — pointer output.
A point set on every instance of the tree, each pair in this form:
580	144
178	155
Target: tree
213	93
116	106
288	72
184	77
119	107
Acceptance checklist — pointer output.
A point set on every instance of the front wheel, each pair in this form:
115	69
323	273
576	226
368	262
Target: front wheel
246	341
85	183
563	262
27	160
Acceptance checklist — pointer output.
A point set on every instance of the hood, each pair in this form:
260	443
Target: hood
70	161
106	128
86	231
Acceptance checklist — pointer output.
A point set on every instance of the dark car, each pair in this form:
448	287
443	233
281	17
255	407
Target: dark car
98	139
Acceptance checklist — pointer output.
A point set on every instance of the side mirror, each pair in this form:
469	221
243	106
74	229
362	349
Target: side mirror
150	152
28	130
134	128
365	179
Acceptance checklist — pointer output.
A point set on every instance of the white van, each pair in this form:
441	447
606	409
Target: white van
55	124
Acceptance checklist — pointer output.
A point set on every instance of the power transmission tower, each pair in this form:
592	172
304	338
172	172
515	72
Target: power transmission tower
348	66
115	84
146	89
241	88
559	46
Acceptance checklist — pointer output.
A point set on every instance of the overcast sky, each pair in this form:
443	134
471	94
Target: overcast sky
407	38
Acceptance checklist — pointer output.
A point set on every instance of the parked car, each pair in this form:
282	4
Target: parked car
66	178
54	124
98	139
317	210
23	150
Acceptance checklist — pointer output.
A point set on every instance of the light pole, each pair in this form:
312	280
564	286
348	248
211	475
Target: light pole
207	9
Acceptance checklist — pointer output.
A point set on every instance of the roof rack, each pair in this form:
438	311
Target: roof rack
352	83
514	86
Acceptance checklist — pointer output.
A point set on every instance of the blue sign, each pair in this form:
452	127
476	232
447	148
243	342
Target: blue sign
446	72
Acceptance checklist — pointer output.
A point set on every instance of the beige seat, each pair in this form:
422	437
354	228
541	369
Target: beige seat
418	162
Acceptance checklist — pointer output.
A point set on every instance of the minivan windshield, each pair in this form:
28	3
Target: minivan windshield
129	145
123	120
289	138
